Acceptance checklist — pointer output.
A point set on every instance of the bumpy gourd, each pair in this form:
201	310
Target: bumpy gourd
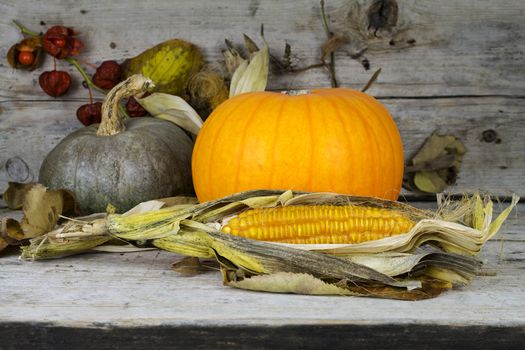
121	162
335	140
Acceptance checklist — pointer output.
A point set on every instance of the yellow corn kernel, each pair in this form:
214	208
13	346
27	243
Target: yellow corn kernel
319	224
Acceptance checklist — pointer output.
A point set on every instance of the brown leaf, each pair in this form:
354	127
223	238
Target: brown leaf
189	266
42	209
3	244
436	164
436	146
232	59
429	181
15	194
287	57
331	45
429	289
372	80
171	201
11	231
250	45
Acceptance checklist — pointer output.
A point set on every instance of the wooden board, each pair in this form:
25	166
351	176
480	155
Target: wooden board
446	67
30	131
122	298
435	48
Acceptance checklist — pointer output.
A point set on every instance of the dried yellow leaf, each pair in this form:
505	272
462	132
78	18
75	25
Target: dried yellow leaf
15	194
42	209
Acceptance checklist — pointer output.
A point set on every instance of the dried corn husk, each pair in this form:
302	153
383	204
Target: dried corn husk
253	75
437	253
172	108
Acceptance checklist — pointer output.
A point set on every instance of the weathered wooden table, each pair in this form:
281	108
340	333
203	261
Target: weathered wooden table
447	66
136	300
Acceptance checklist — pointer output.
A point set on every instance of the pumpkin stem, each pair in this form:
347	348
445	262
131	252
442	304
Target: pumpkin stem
111	123
295	92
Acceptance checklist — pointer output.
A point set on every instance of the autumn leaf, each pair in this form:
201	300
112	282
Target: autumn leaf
436	165
3	244
42	209
15	194
189	266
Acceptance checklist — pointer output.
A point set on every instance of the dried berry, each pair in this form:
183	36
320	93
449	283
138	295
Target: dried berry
26	58
60	42
26	54
90	113
55	83
134	109
108	75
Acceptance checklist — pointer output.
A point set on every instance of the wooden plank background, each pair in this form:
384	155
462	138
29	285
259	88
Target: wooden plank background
447	66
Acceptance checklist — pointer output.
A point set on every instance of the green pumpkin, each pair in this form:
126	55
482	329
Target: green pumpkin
121	163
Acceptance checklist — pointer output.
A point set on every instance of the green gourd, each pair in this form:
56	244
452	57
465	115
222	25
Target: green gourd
121	162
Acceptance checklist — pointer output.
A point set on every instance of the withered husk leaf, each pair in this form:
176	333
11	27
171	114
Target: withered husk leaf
232	58
250	45
301	283
252	76
172	108
436	254
171	201
42	247
15	194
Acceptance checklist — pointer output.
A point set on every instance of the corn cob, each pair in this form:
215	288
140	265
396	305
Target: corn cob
321	224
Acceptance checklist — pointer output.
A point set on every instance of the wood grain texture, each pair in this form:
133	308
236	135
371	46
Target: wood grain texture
324	336
435	48
140	290
447	66
470	55
29	131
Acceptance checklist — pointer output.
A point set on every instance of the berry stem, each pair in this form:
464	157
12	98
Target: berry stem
90	95
90	83
84	75
24	29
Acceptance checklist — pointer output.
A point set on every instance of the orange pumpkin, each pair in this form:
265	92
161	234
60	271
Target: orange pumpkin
334	140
